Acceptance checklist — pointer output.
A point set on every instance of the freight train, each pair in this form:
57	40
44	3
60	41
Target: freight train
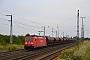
34	41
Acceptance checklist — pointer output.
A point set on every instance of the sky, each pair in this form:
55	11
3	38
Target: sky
31	16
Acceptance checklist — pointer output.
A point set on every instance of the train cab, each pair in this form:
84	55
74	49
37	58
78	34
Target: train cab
28	42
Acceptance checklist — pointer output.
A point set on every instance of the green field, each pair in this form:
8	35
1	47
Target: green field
80	52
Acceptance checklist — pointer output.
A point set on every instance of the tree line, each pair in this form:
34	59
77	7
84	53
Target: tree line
5	39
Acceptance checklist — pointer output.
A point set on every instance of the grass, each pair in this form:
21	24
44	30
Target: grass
84	50
75	53
11	46
87	54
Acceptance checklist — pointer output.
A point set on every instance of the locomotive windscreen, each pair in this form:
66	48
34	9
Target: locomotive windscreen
29	39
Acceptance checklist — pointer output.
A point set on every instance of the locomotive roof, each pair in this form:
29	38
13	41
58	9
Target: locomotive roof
37	35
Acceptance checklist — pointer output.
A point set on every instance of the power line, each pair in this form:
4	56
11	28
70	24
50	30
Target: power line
64	21
14	15
61	23
23	27
2	14
4	24
33	21
21	23
26	24
17	25
54	29
4	19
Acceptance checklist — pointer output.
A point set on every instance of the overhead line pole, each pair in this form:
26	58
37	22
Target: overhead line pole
52	31
58	30
10	29
66	35
78	26
56	33
40	32
82	29
44	31
63	35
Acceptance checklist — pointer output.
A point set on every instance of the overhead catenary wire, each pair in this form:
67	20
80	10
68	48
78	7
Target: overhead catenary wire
4	24
33	21
14	15
64	21
22	23
60	23
23	27
26	24
2	14
18	25
22	18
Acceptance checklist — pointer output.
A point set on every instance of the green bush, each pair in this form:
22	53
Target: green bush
5	39
18	42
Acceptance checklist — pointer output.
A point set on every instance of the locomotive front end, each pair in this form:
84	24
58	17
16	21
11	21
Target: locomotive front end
29	43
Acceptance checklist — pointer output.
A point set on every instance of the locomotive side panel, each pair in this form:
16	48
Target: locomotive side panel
41	42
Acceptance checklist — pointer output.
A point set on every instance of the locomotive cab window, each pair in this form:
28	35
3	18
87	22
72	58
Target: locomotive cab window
29	39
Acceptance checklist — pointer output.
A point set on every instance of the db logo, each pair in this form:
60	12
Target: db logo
41	40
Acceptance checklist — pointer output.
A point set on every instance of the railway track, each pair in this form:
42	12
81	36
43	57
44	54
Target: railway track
16	51
31	55
6	52
9	54
54	54
36	54
43	54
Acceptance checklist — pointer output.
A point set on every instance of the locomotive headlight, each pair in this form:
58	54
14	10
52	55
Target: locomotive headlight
31	42
25	42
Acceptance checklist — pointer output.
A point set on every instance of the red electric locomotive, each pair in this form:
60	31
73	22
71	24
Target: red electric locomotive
34	41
